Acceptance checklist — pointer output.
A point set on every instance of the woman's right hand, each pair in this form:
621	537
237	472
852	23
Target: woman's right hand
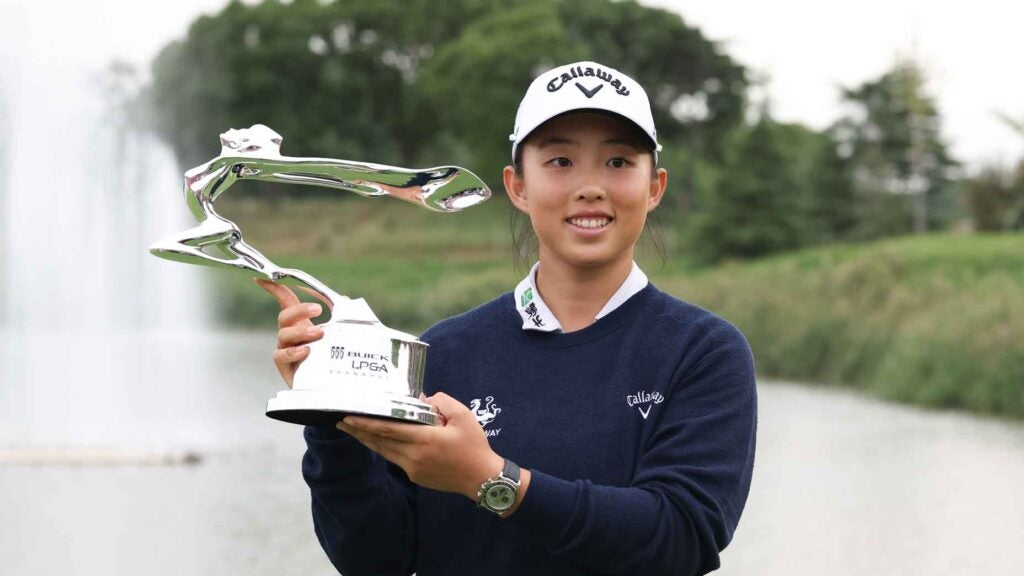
295	328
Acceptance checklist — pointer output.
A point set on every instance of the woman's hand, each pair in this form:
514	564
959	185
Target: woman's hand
455	457
295	329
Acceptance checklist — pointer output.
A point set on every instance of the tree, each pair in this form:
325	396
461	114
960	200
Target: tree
698	92
337	79
994	199
761	204
475	80
892	139
424	83
833	204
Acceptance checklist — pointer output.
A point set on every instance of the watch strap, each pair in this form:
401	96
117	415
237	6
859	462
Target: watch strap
507	477
511	471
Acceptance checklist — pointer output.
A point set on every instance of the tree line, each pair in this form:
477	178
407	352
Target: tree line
431	82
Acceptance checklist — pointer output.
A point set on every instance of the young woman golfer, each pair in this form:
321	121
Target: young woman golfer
593	424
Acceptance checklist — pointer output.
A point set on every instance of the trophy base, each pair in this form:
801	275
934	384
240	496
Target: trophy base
325	409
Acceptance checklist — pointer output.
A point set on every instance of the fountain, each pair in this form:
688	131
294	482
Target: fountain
89	322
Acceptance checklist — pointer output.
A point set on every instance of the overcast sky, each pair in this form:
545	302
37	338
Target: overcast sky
804	49
807	48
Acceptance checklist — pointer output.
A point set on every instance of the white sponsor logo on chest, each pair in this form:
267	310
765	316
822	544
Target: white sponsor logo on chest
485	412
642	398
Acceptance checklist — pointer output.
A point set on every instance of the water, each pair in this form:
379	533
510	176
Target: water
849	485
243	509
844	485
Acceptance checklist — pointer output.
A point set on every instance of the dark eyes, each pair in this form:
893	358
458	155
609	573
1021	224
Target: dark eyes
563	162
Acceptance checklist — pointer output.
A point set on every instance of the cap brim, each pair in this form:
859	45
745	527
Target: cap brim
644	136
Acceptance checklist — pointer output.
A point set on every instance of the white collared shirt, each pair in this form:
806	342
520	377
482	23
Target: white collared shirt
537	316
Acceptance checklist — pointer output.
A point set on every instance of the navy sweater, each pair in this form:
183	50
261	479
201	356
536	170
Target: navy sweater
639	431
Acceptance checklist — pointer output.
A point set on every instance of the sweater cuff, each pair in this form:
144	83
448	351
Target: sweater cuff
547	505
332	455
339	442
323	434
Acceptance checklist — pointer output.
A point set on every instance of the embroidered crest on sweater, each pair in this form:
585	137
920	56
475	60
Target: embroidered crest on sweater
485	412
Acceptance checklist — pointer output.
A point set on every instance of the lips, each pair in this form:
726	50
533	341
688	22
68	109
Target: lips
589	222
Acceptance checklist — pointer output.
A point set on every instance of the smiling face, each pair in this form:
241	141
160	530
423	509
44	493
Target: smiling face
587	183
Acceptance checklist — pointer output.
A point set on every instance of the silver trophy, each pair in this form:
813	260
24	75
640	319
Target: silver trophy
359	366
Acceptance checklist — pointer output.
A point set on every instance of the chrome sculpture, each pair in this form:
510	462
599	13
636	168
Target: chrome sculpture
359	366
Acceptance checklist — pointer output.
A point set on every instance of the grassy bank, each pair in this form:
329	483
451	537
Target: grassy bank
935	321
413	266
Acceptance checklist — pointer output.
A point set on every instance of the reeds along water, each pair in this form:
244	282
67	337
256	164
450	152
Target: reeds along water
936	321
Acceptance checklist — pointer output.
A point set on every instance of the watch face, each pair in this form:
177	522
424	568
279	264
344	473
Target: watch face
500	497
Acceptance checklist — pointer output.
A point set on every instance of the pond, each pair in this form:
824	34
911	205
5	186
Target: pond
843	484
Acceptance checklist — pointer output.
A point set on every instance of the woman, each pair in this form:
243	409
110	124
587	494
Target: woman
631	414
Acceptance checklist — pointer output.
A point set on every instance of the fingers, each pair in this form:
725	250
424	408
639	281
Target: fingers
295	329
292	309
394	452
450	409
391	440
298	335
299	314
379	429
442	421
289	356
284	296
287	360
318	296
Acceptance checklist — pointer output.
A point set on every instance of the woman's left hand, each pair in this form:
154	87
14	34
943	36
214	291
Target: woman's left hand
454	457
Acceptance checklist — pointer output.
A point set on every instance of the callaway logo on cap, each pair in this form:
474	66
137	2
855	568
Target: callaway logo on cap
583	86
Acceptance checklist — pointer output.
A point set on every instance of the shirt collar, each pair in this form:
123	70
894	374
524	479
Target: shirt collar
537	316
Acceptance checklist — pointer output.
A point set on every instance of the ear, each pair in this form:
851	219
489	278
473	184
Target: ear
515	187
657	189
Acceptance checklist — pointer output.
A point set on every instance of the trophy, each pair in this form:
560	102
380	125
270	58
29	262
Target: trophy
359	366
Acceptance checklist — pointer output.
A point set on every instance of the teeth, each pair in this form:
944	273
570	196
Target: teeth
590	222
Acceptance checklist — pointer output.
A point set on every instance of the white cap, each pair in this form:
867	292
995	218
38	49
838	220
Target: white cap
583	86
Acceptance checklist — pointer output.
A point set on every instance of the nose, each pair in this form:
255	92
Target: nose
590	193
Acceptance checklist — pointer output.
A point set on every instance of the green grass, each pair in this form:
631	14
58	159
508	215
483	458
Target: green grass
935	321
413	266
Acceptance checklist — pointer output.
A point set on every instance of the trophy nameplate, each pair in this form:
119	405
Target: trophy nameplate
359	366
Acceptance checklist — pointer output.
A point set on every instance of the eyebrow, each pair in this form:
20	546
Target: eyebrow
555	141
623	141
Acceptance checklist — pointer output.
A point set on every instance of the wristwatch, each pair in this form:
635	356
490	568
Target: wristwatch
499	493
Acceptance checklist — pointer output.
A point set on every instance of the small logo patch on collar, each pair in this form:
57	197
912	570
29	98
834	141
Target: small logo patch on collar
526	298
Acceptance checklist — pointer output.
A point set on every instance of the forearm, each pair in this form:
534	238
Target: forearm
363	512
618	530
684	500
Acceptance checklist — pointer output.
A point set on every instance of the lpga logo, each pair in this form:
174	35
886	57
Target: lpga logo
643	397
